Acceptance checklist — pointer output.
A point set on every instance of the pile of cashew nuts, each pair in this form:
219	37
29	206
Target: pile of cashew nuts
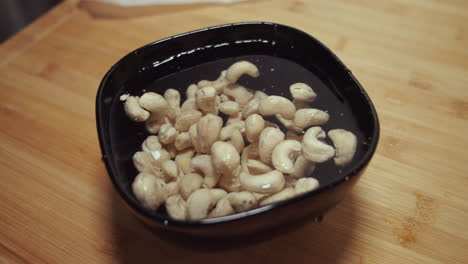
201	167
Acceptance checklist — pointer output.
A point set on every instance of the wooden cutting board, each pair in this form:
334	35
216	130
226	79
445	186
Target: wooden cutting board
57	204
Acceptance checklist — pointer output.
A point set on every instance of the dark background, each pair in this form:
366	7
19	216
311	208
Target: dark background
16	14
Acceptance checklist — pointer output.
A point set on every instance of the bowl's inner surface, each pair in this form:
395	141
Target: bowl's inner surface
283	58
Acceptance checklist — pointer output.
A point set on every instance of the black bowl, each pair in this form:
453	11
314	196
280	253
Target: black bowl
284	55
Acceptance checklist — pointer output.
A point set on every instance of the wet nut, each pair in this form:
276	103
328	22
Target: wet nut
230	108
310	117
239	93
234	118
191	90
204	164
151	143
269	138
236	70
153	126
188	183
289	124
224	157
273	105
302	92
218	84
194	138
167	134
155	104
304	185
187	118
269	182
176	207
150	162
222	208
285	154
252	106
242	201
172	97
201	202
230	182
189	104
256	167
208	129
286	193
254	125
302	168
172	188
237	140
223	98
345	143
206	100
183	160
169	171
315	150
226	132
149	191
134	110
183	141
300	104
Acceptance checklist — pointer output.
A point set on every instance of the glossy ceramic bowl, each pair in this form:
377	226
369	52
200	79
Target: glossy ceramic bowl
120	138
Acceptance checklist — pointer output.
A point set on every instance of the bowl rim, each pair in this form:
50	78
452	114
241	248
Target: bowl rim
354	171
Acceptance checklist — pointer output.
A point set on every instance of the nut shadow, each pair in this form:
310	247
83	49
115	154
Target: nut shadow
324	242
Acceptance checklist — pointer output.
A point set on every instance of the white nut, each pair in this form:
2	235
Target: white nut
310	117
235	118
300	104
254	125
242	201
289	124
222	208
169	171
149	191
315	150
274	104
191	90
187	118
285	154
223	98
167	134
188	183
172	97
269	138
230	182
206	100
134	110
286	193
153	126
189	104
224	157
252	106
183	141
194	138
236	70
176	207
204	164
237	140
256	167
172	188
230	108
218	84
304	185
226	132
302	168
302	92
345	143
208	129
151	143
239	93
156	105
269	182
150	162
183	160
201	202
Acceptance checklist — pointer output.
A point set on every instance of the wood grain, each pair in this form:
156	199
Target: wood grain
411	206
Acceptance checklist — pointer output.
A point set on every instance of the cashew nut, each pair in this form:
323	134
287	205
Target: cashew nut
208	129
269	138
223	98
234	118
286	193
302	168
236	70
242	201
239	93
223	208
169	171
188	183
201	202
156	105
206	100
237	140
153	126
172	188
187	118
176	207
172	97
289	124
315	150
218	84
274	104
310	117
225	157
252	106
183	160
227	131
249	152
230	182
183	141
254	125
302	92
229	108
149	190
345	143
204	164
257	167
191	90
300	104
304	185
151	143
285	154
194	138
269	182
167	134
134	110
189	104
150	162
